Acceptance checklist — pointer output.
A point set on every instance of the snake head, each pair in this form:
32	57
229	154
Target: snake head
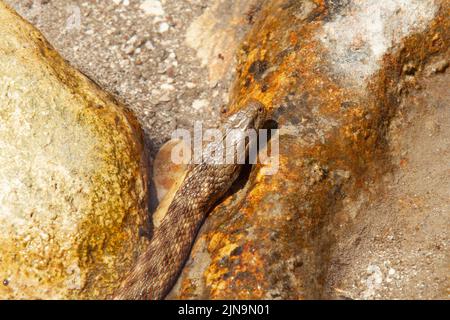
251	116
241	131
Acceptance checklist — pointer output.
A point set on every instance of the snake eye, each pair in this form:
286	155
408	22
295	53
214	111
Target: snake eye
260	109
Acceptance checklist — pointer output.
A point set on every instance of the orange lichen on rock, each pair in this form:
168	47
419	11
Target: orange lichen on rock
331	124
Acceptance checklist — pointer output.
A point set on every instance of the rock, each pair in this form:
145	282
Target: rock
216	34
357	47
271	237
163	27
149	45
73	180
190	85
165	171
437	67
168	175
152	7
200	104
167	87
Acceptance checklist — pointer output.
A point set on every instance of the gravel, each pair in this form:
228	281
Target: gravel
137	51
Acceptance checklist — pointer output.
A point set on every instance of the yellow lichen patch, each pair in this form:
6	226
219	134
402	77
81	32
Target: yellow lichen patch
220	248
238	281
78	175
331	142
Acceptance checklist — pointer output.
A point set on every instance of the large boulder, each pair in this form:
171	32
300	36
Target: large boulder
73	175
332	74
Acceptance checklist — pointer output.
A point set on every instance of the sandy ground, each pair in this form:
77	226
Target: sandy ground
138	52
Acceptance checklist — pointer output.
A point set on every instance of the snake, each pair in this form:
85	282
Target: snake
159	265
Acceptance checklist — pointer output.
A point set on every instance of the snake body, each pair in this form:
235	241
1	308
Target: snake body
157	269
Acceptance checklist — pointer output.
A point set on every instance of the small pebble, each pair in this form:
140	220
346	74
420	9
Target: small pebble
167	87
190	85
200	104
163	27
152	7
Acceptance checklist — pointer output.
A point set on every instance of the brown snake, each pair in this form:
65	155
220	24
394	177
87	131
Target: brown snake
157	269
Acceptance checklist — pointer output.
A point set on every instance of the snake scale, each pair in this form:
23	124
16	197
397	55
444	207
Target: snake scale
158	268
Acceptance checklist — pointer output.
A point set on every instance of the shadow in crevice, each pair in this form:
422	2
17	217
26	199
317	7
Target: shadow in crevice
146	230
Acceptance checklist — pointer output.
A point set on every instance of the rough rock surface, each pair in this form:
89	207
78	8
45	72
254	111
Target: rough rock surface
214	34
332	74
73	179
394	241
